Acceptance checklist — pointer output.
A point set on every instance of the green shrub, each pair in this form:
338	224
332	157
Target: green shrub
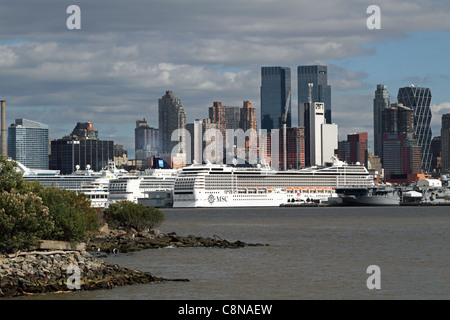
30	212
131	215
74	219
10	178
23	221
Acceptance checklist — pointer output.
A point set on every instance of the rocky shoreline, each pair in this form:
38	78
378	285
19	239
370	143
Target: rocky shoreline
38	272
115	241
60	270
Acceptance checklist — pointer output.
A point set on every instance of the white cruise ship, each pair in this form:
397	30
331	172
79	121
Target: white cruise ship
217	185
136	187
97	191
74	181
92	183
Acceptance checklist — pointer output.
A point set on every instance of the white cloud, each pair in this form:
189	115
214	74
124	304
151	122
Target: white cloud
437	111
441	108
7	57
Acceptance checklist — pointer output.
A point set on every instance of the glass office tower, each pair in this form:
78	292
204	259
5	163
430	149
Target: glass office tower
321	91
445	143
419	100
275	88
28	143
381	102
82	147
145	140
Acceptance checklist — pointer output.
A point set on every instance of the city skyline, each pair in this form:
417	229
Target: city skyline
113	71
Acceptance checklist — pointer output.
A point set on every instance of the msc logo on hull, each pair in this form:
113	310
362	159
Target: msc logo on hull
212	199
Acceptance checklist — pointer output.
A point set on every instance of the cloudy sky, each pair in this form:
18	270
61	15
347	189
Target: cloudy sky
129	53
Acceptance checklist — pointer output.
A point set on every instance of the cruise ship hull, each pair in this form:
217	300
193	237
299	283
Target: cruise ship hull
216	185
222	199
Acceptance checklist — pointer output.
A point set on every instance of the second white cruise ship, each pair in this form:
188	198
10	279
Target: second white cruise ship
218	185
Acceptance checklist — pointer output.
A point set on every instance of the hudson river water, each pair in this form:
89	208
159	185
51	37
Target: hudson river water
313	253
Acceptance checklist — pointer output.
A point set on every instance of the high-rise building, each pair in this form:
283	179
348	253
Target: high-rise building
321	91
400	149
307	119
248	122
401	156
248	117
120	156
397	119
3	145
436	167
28	143
445	143
145	140
329	142
374	166
275	97
232	117
171	116
201	138
217	116
321	139
380	103
295	148
315	142
419	99
81	148
358	150
343	151
84	130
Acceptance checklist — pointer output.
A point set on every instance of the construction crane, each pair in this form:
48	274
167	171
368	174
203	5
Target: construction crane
283	118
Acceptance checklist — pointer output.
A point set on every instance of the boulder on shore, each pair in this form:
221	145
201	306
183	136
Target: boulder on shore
26	273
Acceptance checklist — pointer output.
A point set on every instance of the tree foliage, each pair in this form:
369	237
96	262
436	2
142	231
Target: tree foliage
137	216
10	177
23	220
74	219
30	211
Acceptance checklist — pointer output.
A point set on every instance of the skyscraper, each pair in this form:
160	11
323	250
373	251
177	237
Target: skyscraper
3	129
217	116
232	117
225	117
400	149
436	150
82	147
295	148
358	148
321	91
419	99
248	122
380	103
398	119
321	139
401	156
145	140
445	143
171	116
85	130
28	143
275	92
248	117
201	137
315	132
